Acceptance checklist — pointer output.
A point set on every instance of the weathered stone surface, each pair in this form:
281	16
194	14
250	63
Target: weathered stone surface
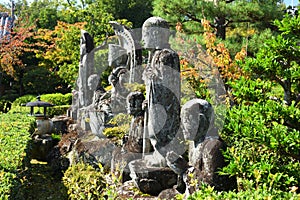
41	147
205	152
151	180
118	78
197	119
93	150
168	194
162	79
131	45
60	124
86	68
120	160
135	137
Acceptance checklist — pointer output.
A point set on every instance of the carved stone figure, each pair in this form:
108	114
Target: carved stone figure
118	78
86	68
162	79
117	58
135	136
132	149
197	117
205	152
128	41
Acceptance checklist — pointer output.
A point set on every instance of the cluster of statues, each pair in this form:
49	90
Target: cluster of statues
161	131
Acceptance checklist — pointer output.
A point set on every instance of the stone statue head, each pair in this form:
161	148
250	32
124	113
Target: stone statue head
86	42
117	55
93	81
134	103
155	33
197	116
119	77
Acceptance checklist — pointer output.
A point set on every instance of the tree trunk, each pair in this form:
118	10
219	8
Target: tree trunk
21	90
220	24
287	92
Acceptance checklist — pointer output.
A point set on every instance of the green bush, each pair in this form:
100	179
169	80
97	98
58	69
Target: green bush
23	100
18	106
264	141
206	192
121	123
15	131
57	110
84	182
58	99
246	90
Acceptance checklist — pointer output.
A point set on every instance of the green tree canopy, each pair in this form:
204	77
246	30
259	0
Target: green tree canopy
221	14
279	58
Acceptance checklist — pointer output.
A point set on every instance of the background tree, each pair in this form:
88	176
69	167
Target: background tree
134	11
61	55
237	19
17	51
279	59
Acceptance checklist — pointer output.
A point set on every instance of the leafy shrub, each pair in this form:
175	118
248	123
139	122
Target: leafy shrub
84	182
58	99
57	110
207	192
133	87
246	90
264	141
23	100
121	123
15	131
18	106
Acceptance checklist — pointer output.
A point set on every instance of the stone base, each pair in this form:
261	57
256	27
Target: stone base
41	147
151	180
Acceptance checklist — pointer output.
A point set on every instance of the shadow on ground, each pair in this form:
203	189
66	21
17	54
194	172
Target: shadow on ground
37	181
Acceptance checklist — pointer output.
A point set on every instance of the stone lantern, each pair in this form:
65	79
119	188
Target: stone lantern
39	103
44	125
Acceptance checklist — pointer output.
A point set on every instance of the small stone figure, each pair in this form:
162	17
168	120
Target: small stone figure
117	58
205	152
135	137
162	79
132	149
95	85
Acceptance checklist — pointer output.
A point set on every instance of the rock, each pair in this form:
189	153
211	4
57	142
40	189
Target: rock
95	150
120	160
41	147
151	180
60	124
168	194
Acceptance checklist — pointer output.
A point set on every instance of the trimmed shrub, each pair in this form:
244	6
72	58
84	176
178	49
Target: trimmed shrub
15	131
58	99
121	123
84	182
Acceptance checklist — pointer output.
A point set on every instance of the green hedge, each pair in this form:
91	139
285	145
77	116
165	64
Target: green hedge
61	101
57	110
15	131
264	146
58	99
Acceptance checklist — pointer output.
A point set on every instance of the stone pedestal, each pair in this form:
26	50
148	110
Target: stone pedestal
151	180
